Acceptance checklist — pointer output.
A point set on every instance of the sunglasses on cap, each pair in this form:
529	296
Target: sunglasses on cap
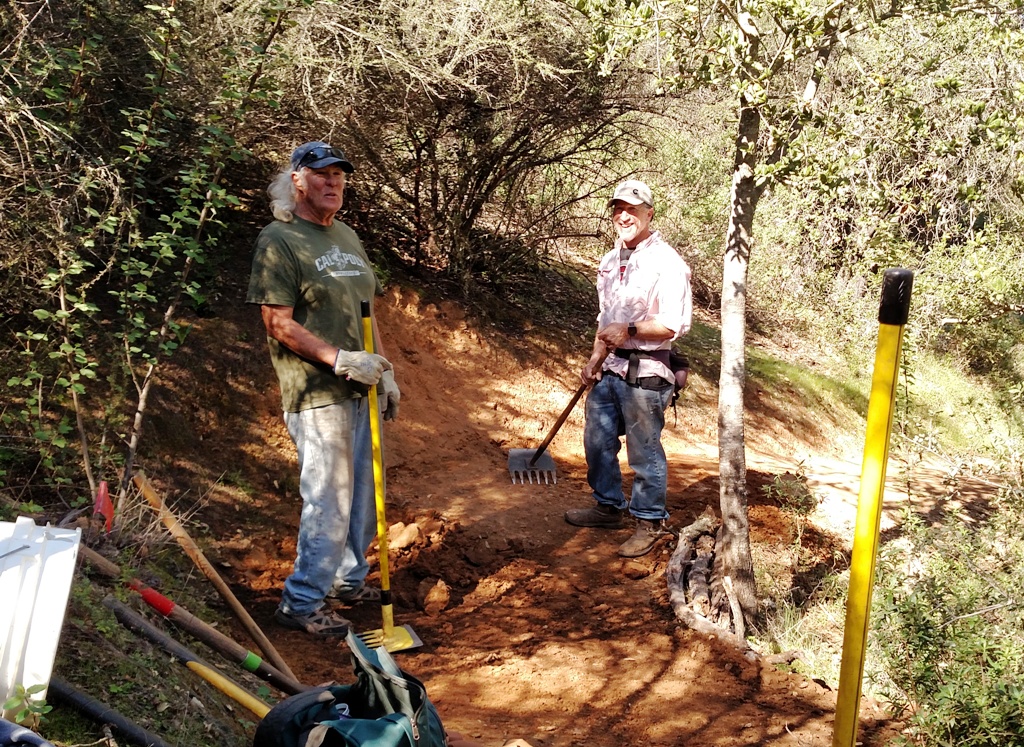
324	152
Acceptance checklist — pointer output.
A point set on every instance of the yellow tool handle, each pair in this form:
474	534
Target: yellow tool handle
378	482
229	688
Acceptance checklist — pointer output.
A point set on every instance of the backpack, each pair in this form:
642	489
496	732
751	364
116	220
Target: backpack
385	707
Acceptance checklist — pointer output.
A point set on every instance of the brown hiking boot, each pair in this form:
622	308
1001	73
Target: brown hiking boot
605	517
644	538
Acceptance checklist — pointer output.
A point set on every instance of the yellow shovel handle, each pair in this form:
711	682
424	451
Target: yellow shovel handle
378	481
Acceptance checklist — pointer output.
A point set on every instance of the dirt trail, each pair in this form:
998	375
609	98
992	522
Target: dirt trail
532	628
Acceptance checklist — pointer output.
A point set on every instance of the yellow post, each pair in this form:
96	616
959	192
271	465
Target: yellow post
892	316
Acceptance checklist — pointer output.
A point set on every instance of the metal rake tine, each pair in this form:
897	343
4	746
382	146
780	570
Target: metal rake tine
372	638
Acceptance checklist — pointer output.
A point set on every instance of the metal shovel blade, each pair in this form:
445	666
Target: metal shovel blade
522	471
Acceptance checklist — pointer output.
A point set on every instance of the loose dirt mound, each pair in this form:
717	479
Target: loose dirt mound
532	628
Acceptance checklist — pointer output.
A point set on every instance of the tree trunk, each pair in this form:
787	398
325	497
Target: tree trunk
731	445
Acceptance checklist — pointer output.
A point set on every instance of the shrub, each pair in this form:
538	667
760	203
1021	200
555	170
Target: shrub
948	601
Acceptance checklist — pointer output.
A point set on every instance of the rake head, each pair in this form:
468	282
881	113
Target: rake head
398	638
524	465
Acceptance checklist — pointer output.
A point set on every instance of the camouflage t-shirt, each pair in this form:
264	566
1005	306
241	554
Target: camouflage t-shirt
323	273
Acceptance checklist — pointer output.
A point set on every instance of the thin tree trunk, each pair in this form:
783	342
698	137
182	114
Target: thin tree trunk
735	547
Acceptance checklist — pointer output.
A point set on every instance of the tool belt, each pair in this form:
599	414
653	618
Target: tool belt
633	356
677	363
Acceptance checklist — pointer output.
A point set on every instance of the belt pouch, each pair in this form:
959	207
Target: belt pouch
634	367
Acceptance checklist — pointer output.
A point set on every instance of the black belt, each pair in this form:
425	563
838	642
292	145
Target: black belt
633	355
653	383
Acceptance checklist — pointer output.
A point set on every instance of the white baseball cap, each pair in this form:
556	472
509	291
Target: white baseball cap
633	192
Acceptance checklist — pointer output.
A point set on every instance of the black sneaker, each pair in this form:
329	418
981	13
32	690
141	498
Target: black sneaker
605	517
644	538
322	623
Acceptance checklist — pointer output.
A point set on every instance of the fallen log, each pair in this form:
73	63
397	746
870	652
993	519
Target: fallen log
692	543
719	599
678	563
697	585
692	620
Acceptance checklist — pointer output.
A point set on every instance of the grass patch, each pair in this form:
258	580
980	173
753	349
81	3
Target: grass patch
815	390
946	405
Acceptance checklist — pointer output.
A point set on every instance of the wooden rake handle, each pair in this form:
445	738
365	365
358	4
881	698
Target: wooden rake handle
561	419
193	551
558	424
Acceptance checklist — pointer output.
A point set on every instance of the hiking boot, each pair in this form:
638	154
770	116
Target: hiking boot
644	538
347	595
321	623
605	517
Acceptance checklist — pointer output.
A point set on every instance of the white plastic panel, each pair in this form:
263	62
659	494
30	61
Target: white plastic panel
36	568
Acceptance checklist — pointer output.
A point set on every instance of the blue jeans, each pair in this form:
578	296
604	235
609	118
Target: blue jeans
614	408
338	520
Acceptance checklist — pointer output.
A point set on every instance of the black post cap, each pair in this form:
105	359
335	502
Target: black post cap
895	306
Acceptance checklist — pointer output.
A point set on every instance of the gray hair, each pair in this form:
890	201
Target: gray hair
282	196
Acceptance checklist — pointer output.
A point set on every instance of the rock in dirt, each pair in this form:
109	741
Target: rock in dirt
434	596
401	536
431	524
481	554
634	570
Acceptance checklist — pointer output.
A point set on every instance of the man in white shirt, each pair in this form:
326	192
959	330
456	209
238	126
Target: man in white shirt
643	287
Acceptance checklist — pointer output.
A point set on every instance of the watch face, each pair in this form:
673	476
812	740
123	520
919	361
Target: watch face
631	329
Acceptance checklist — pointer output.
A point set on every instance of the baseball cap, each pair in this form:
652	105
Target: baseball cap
633	192
317	155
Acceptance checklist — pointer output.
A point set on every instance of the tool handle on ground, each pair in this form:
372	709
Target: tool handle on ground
378	481
233	651
561	419
193	551
226	647
101	713
138	624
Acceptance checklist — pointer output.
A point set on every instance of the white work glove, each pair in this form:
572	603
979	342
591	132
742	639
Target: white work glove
389	402
358	365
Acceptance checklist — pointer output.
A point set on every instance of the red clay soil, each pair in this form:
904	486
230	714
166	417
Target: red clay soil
532	628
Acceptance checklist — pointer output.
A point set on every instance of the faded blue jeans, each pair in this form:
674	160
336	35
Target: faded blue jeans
338	520
614	409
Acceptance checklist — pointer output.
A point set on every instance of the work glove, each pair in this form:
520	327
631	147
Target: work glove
389	403
358	365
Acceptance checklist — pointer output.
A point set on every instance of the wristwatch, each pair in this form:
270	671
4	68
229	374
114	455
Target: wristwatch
631	329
